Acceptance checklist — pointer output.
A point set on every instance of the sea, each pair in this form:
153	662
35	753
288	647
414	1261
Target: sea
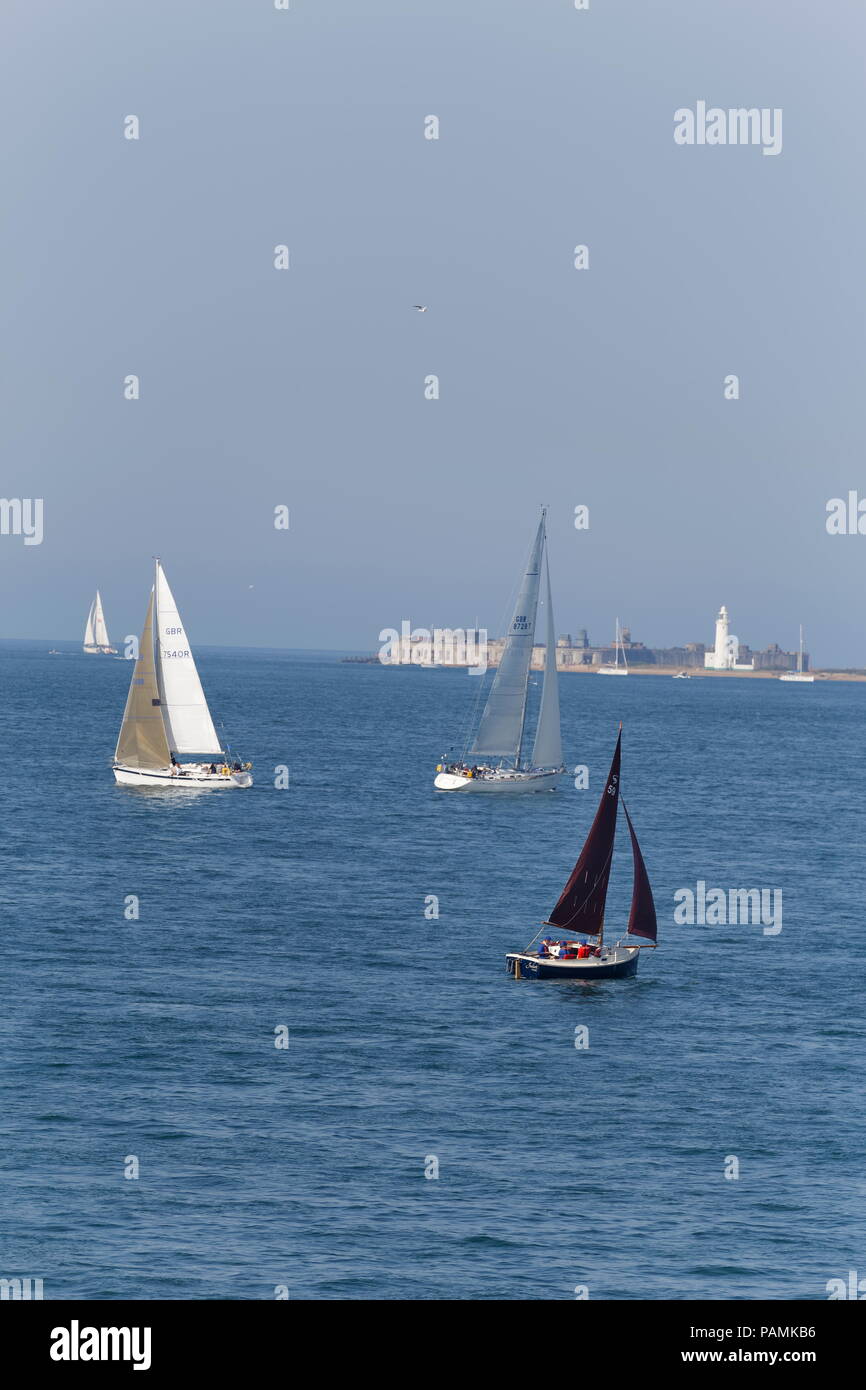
262	1044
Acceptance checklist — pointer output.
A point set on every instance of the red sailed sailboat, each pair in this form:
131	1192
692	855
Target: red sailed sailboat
580	910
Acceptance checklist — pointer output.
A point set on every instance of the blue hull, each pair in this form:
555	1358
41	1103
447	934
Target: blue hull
533	969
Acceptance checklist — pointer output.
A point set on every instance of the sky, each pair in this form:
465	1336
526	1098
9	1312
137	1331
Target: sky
305	387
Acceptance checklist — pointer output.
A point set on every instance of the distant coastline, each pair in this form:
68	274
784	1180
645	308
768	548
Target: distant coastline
694	672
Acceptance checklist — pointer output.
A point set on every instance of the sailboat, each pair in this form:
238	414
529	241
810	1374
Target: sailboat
96	632
495	762
616	669
798	675
166	713
580	909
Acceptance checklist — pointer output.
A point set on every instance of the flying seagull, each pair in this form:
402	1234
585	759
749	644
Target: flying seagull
422	308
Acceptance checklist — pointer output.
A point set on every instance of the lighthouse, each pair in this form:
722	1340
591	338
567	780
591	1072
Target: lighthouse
723	657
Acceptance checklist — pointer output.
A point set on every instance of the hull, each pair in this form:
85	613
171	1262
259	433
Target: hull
617	964
799	680
100	651
163	777
497	783
611	671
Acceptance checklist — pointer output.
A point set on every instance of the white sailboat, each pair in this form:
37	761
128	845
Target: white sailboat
798	675
96	633
616	669
495	762
166	715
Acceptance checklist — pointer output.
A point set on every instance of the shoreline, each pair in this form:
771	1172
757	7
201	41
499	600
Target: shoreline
698	672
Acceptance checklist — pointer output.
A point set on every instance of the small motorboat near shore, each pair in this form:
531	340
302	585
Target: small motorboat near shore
580	909
167	715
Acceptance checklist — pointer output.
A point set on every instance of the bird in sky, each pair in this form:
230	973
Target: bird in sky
422	308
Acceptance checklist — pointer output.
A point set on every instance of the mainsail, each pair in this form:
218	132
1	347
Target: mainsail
642	918
142	742
547	750
188	724
581	904
500	733
100	631
89	640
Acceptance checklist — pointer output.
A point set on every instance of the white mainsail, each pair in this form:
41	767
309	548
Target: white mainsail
547	749
188	724
500	733
100	631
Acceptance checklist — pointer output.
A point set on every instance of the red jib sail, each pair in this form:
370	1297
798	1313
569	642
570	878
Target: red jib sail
642	918
581	905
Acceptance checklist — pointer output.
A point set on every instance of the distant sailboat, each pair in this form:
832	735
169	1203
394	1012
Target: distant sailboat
96	633
495	762
616	669
166	713
581	906
798	675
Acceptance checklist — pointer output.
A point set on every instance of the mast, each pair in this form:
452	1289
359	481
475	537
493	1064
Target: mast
800	657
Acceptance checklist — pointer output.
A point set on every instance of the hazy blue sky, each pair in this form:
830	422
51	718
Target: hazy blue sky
306	387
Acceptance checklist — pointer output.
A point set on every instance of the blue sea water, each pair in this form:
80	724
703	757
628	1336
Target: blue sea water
305	907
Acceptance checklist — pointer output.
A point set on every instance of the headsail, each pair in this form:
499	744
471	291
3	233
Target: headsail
642	918
581	904
142	742
500	733
89	639
547	751
188	723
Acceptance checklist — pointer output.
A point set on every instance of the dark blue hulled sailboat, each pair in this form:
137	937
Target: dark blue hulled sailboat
580	910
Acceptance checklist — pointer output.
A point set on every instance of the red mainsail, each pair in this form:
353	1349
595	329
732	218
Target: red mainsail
642	918
581	904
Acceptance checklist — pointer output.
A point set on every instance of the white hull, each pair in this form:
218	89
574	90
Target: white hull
100	651
611	671
191	775
513	782
801	680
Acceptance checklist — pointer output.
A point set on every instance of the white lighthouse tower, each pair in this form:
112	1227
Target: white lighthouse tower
723	657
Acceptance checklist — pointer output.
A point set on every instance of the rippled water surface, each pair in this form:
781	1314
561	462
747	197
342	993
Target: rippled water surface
304	907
